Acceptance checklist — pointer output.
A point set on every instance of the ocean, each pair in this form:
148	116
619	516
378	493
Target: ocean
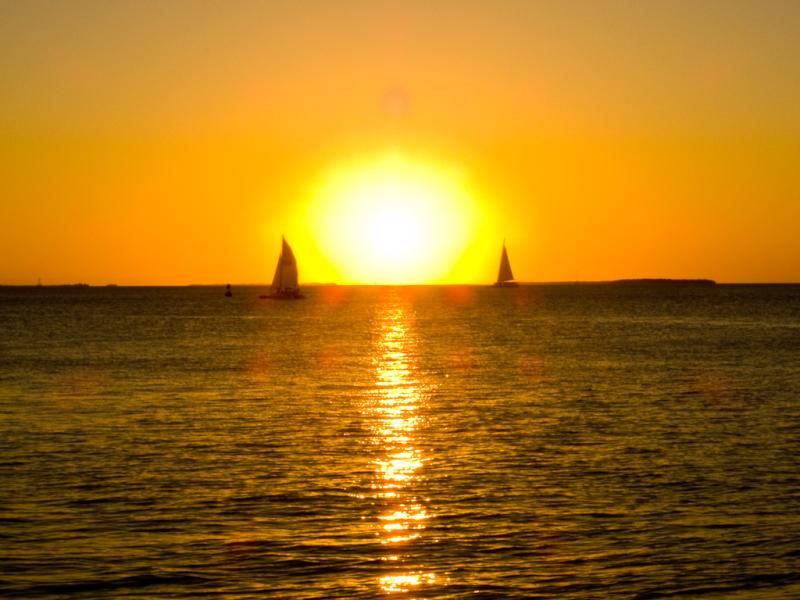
419	442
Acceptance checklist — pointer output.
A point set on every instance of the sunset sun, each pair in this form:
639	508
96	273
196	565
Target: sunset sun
393	219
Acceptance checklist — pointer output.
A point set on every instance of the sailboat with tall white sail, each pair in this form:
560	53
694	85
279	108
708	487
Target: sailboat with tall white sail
505	278
284	282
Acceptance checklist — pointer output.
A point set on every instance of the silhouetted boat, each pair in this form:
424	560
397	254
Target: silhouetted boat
228	292
505	278
284	283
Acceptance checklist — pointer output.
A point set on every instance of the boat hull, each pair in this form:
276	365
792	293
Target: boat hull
505	284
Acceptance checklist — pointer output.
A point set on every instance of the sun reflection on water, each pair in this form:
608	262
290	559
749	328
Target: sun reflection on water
395	414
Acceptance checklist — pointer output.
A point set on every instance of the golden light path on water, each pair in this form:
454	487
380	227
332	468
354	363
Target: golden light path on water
394	411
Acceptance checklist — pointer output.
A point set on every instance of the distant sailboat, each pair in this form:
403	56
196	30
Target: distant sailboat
284	283
228	292
505	278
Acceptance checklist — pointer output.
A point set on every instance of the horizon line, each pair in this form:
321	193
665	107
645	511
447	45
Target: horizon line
631	280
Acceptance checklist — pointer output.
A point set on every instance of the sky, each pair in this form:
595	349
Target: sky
175	142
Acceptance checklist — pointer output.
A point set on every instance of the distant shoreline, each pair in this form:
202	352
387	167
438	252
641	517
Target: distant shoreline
647	281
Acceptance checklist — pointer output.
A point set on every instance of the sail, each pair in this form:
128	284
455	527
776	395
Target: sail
504	273
285	277
289	268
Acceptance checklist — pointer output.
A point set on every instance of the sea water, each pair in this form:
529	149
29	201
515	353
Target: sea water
428	442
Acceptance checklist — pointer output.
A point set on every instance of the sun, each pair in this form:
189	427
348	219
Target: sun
394	219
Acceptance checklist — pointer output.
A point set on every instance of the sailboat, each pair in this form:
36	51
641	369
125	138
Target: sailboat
505	278
284	283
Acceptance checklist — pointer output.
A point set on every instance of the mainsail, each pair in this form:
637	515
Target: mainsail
284	283
504	274
285	279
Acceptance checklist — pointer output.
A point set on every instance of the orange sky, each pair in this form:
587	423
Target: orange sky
172	143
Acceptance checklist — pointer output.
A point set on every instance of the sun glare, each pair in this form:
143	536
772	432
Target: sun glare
393	219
